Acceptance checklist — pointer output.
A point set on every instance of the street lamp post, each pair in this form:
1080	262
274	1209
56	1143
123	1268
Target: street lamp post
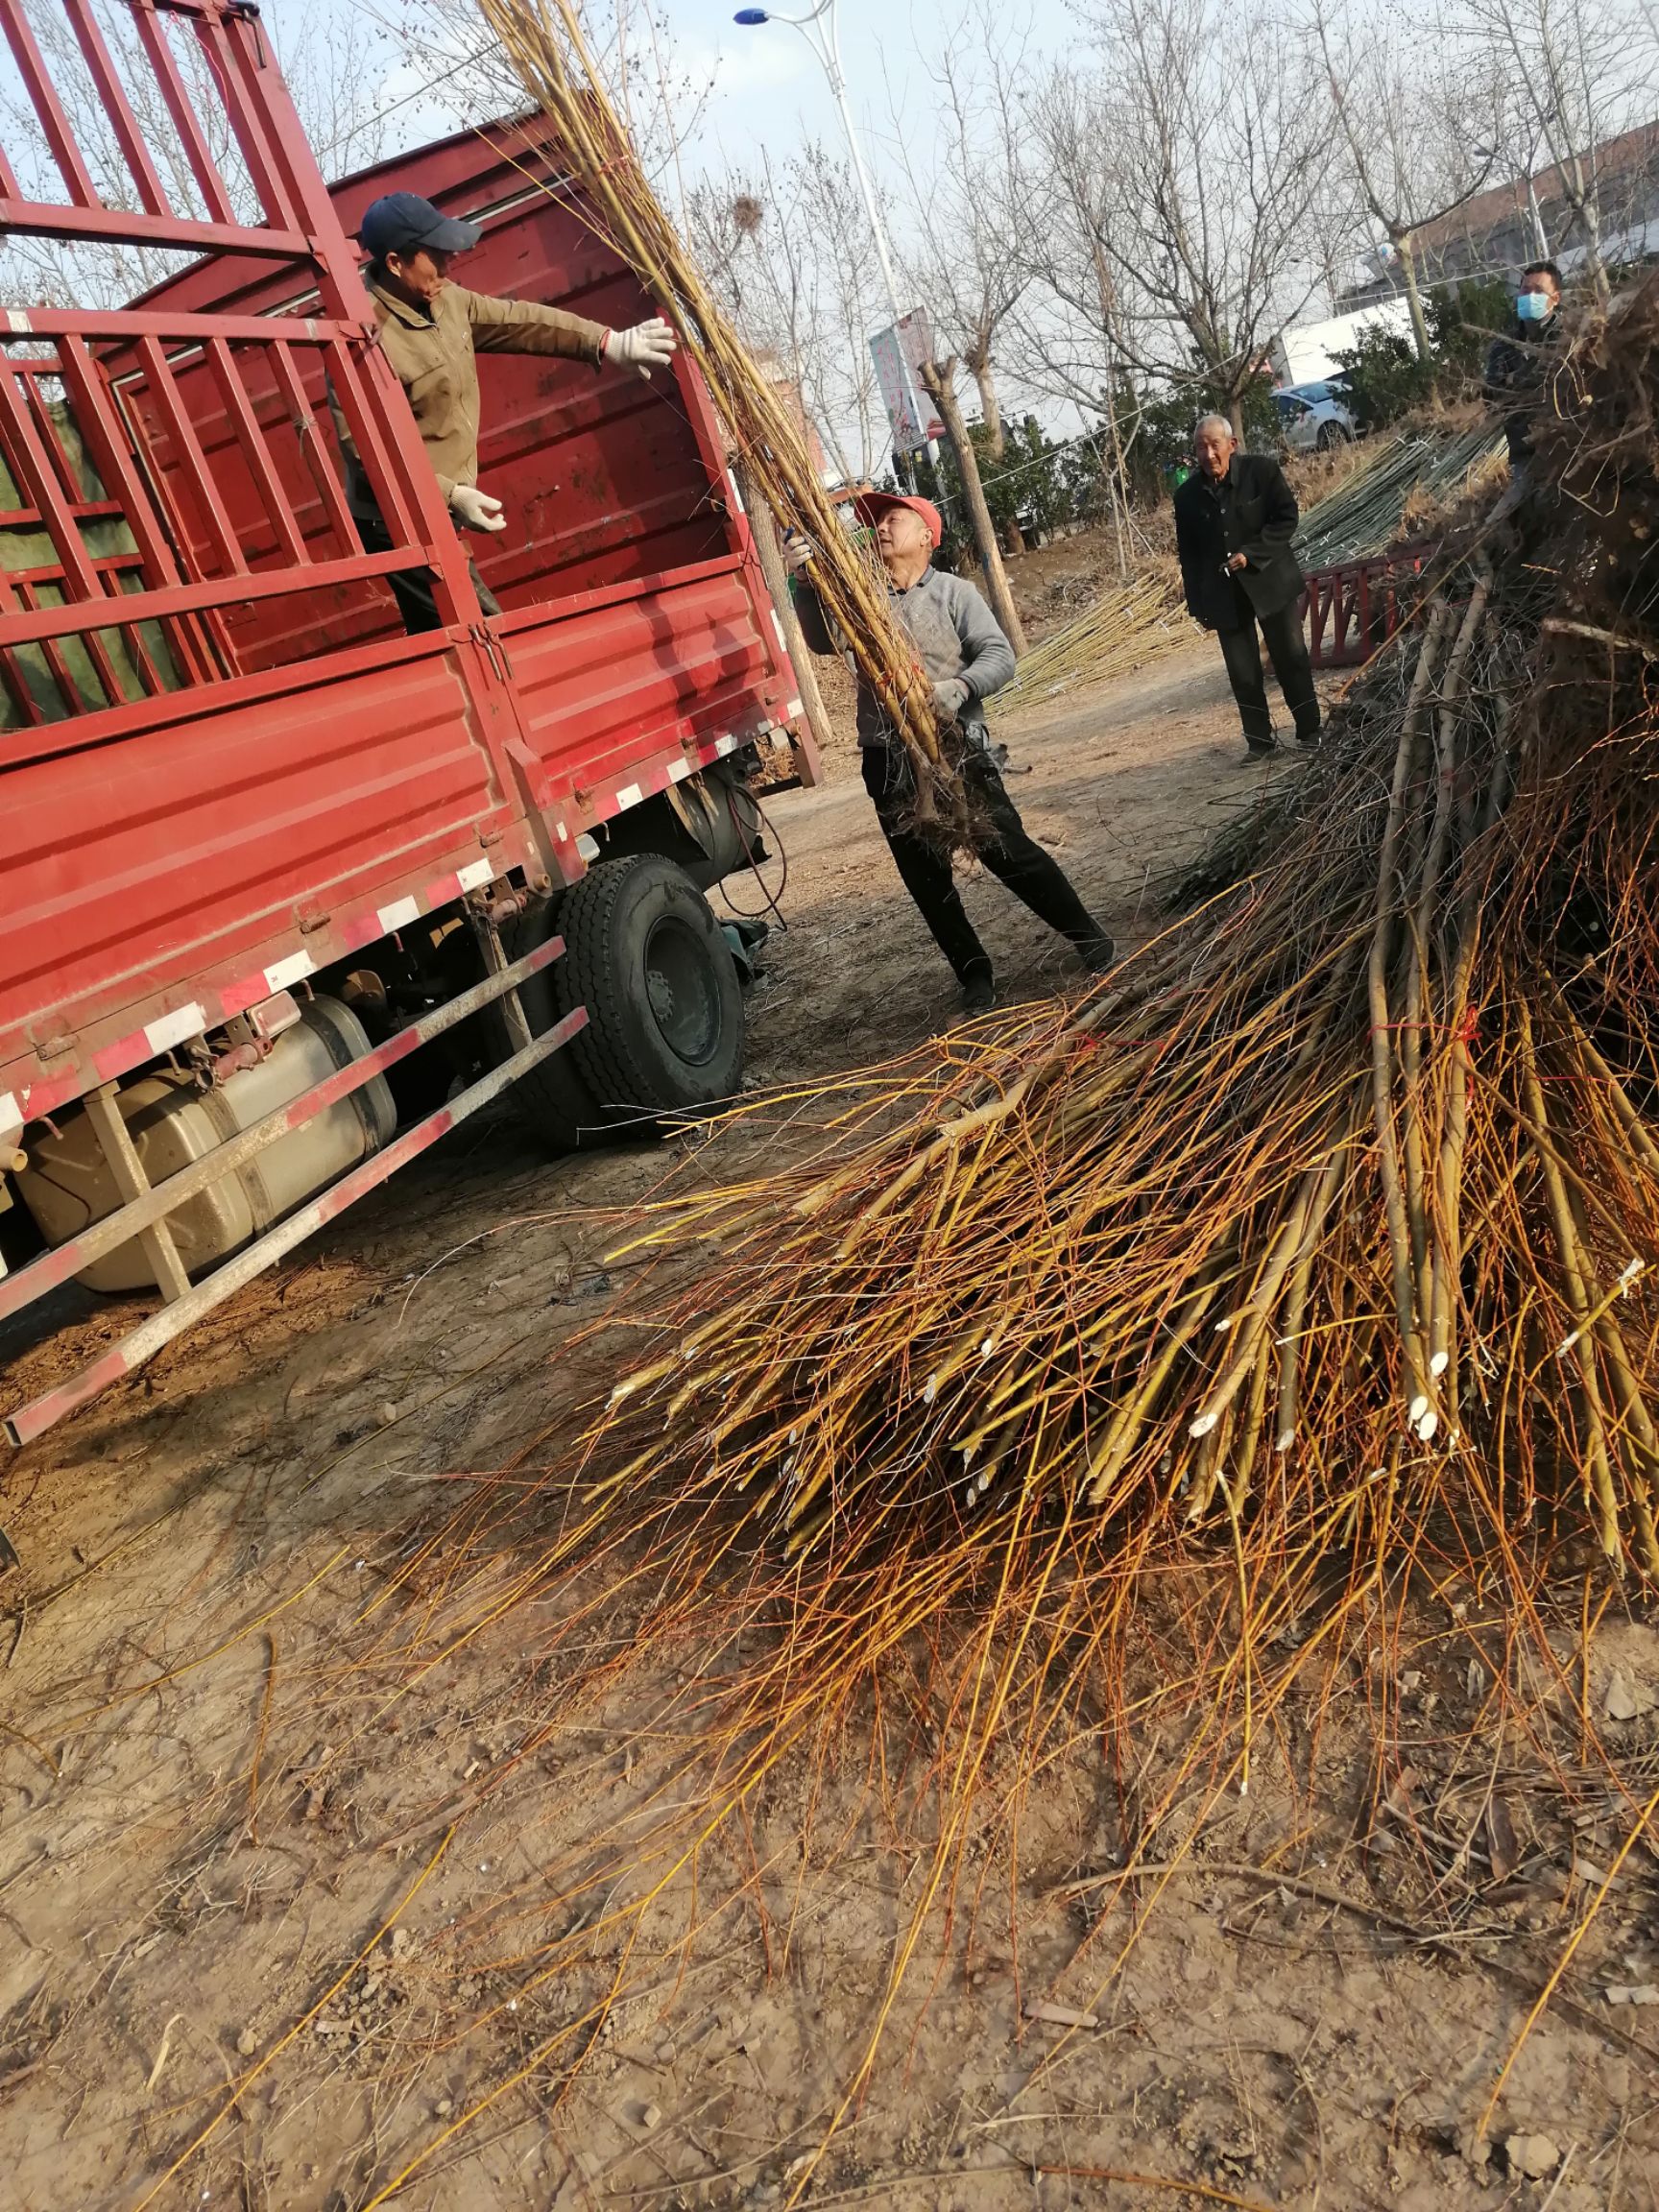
818	28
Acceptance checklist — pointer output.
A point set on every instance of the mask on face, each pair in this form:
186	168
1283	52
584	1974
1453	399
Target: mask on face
1533	307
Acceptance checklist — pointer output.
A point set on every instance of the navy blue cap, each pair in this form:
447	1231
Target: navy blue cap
402	221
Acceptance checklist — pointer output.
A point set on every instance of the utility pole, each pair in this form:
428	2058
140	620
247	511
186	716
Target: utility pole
819	30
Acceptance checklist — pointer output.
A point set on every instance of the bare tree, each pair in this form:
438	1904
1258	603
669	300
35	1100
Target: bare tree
1219	150
335	65
1082	326
660	94
1577	69
1520	143
1417	134
769	550
788	248
968	263
965	265
939	381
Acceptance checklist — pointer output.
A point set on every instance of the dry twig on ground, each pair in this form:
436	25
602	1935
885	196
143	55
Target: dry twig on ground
1312	1252
1320	1237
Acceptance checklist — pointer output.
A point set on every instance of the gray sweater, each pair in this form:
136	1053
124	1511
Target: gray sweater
956	633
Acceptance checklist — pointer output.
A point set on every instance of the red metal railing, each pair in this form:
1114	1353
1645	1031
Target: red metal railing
66	534
1353	609
89	400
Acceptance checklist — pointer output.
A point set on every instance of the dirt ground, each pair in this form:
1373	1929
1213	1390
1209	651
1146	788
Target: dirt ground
266	1934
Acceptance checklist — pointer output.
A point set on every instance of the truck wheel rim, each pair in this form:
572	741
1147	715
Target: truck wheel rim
683	996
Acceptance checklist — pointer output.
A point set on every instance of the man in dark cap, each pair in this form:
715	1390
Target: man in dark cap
430	330
960	646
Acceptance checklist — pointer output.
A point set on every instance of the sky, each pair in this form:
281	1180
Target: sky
767	88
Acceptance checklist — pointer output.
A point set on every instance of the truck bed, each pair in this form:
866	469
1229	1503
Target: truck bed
319	778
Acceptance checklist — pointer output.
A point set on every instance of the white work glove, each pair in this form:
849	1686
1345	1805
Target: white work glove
475	510
797	552
646	347
951	694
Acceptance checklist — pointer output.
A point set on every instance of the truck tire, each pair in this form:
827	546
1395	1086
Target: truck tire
644	953
552	1098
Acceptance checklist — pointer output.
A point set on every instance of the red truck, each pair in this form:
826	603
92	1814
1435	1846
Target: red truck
287	894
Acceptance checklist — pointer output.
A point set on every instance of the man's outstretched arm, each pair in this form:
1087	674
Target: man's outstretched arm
526	327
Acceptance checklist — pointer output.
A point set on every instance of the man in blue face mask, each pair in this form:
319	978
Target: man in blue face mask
1516	367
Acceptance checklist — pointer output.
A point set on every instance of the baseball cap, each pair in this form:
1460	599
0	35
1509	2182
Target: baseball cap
401	220
871	506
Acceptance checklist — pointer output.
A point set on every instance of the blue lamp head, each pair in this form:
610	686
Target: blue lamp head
750	16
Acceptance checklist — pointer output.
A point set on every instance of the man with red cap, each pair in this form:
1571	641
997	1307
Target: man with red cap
431	332
962	649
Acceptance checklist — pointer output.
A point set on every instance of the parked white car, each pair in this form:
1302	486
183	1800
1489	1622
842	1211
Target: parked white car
1314	417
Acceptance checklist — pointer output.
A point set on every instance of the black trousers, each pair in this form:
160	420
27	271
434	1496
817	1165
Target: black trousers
413	589
1007	850
1289	651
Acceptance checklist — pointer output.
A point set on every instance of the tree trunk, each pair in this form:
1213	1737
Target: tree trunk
940	381
1591	217
990	412
984	375
765	534
1403	247
1116	522
1117	468
1236	415
1540	236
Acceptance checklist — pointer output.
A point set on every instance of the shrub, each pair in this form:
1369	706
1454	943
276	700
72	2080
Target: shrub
1384	376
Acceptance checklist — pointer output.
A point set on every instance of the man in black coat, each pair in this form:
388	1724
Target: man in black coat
1518	367
1234	518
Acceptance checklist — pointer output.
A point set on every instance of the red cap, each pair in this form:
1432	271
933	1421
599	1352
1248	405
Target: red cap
871	506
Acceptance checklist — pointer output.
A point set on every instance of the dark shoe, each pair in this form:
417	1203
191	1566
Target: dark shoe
1256	751
978	992
1311	737
1097	953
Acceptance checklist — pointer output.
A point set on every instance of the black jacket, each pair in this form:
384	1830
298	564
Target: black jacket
1516	371
1256	516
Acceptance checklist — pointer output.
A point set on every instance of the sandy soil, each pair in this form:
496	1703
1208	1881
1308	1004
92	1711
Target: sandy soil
222	1774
